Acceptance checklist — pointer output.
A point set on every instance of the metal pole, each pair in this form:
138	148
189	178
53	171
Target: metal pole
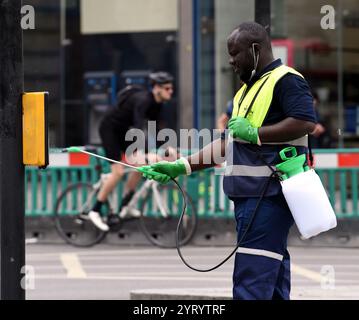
185	52
340	75
196	64
263	13
12	234
62	71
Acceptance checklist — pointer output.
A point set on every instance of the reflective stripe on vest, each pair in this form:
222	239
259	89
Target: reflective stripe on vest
248	171
301	142
253	169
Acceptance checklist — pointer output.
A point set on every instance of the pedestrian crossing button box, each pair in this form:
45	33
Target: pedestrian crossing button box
35	129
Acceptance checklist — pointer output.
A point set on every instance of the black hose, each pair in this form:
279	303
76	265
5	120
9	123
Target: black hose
274	173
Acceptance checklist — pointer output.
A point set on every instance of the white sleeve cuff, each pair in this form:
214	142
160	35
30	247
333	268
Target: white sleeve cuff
187	165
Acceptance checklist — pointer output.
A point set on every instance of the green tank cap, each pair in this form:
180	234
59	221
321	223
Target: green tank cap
292	164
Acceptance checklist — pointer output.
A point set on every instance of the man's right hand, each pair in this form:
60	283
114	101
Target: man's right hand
148	173
163	171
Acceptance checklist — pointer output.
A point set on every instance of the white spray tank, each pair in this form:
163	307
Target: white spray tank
305	195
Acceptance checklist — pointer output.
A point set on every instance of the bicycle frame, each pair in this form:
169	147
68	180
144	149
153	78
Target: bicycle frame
140	194
96	188
155	219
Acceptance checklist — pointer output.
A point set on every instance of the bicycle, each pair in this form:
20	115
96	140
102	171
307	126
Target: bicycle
159	210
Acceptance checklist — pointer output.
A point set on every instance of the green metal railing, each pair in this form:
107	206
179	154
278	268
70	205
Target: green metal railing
341	185
42	187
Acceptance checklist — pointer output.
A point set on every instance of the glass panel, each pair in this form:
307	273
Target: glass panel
228	15
328	58
204	14
217	83
57	55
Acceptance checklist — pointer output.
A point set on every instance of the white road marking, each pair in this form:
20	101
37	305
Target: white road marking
165	268
143	259
336	265
296	253
31	240
137	277
93	252
304	272
160	267
73	266
173	255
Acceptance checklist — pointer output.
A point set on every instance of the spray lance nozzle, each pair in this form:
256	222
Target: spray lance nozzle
73	149
292	163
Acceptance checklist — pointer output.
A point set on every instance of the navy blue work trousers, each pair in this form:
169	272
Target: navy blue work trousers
262	262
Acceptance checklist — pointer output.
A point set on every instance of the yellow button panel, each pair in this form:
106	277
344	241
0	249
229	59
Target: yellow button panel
35	129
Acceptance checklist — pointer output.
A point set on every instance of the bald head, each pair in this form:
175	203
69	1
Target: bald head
249	47
251	32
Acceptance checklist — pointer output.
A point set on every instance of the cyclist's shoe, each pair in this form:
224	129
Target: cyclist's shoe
135	213
129	213
96	219
123	212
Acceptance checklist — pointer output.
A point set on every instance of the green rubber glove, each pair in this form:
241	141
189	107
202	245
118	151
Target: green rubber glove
148	173
241	128
163	171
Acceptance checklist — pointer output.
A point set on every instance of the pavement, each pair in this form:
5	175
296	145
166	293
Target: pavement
62	272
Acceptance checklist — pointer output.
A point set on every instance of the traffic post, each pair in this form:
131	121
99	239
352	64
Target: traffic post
12	233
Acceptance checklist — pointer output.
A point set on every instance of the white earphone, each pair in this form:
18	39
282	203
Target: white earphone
255	62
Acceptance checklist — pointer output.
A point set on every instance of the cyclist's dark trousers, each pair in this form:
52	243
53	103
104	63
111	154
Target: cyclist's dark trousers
262	263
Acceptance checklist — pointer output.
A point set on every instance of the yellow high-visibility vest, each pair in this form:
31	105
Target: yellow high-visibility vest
255	103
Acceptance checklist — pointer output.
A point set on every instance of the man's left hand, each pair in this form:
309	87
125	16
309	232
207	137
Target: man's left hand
241	128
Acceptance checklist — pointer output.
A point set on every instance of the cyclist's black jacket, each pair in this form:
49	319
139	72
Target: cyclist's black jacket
134	113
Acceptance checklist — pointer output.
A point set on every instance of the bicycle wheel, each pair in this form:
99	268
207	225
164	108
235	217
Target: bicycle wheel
160	230
71	218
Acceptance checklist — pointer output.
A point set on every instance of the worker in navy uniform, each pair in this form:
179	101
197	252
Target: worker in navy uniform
271	111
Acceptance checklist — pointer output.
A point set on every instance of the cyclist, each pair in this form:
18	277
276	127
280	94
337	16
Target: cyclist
139	107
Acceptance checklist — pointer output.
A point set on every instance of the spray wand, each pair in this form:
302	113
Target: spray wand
143	169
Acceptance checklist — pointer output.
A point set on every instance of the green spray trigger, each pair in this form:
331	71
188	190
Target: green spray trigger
290	150
292	164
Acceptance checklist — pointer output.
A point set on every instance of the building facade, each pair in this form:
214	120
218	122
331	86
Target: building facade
188	38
